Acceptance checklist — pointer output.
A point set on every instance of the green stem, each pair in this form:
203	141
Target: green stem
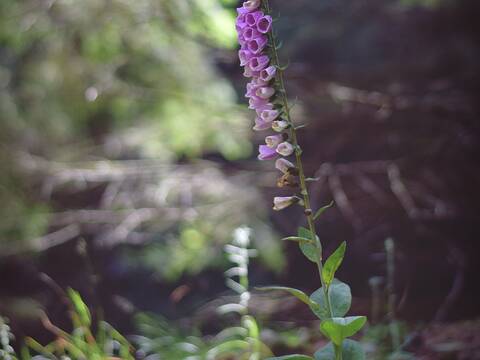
301	173
338	352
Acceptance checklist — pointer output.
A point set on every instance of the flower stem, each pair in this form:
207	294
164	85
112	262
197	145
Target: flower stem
301	172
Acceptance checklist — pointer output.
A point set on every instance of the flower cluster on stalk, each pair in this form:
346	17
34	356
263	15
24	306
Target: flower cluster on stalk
253	27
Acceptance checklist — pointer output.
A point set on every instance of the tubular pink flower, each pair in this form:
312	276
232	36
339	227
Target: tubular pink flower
256	103
258	63
268	73
252	88
240	21
280	125
249	72
249	34
251	5
266	153
257	45
285	148
252	18
264	24
244	56
262	108
261	125
265	92
269	115
284	165
273	140
242	11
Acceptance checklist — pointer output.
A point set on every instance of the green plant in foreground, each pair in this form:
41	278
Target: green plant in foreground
388	334
242	341
268	97
80	344
239	341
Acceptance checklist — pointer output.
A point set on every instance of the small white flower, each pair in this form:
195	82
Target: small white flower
284	165
279	125
285	149
273	140
251	5
269	115
282	202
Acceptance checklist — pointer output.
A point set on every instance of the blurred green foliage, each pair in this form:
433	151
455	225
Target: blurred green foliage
79	344
115	79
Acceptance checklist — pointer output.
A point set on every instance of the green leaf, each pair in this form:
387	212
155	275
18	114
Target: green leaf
339	328
333	263
291	357
228	347
295	292
351	350
340	300
80	308
298	239
250	323
308	249
322	210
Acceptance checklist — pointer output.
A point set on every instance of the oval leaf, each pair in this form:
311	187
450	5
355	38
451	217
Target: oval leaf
298	239
340	300
322	210
338	328
333	263
295	292
308	249
351	350
80	307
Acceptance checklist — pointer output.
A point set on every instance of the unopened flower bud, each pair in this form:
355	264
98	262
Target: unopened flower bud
273	140
287	180
282	202
269	115
251	5
280	125
284	165
285	148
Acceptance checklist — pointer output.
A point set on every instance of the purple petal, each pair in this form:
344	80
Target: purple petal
264	24
244	56
262	108
265	92
255	102
266	153
251	5
268	73
258	63
261	125
257	45
252	18
250	34
273	140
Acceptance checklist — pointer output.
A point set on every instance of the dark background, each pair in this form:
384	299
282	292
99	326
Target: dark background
126	159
